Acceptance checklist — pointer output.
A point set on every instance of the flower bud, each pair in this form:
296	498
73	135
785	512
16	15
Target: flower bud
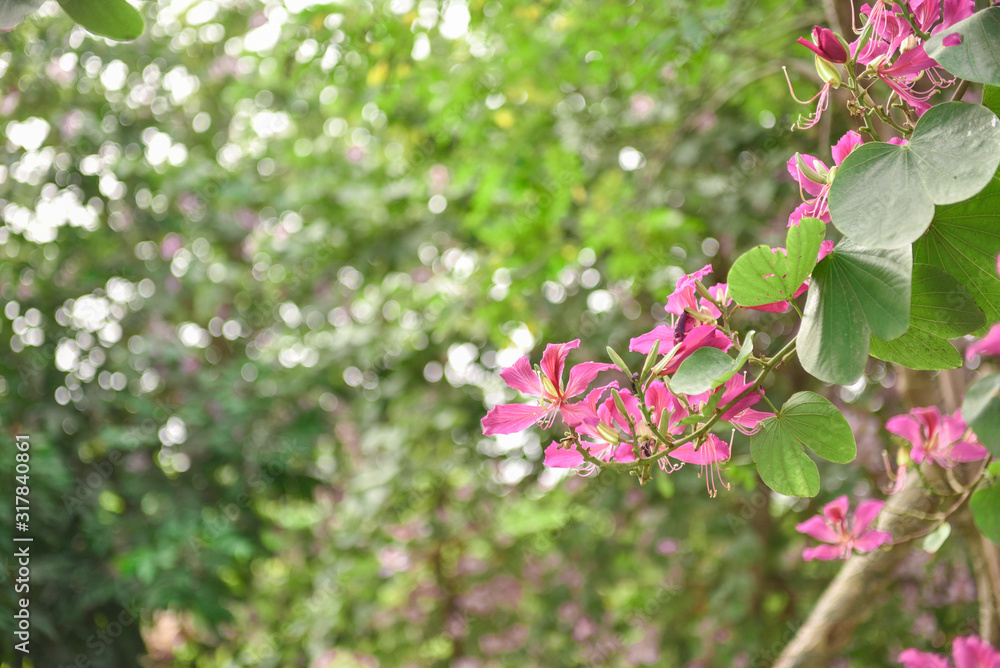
607	433
809	172
827	45
828	72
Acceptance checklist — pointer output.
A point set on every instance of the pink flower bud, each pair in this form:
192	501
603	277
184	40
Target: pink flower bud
826	44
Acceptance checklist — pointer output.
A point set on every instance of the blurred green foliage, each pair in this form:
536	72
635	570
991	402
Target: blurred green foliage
260	268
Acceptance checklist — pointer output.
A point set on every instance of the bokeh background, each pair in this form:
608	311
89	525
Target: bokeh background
259	270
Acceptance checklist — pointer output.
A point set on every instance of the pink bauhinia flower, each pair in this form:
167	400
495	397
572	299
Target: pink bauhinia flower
832	526
968	652
937	438
814	178
547	384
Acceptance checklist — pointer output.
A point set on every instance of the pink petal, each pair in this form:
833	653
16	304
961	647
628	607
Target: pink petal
988	345
810	209
872	540
822	553
625	453
554	358
775	307
907	427
560	458
836	510
972	652
898	141
911	658
845	145
579	413
658	399
511	418
582	375
825	249
964	451
522	377
816	527
955	11
750	418
865	514
662	333
929	416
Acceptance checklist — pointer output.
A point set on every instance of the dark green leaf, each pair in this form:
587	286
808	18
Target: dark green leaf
964	241
940	308
985	507
884	195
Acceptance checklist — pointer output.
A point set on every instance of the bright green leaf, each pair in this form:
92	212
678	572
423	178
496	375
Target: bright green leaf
981	410
884	195
977	57
855	292
697	373
807	420
985	507
707	368
116	19
764	275
964	241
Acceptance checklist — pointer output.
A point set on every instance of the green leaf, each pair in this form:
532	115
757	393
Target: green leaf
964	241
707	368
977	57
917	349
855	292
991	99
807	420
764	275
115	19
883	195
985	507
940	308
981	410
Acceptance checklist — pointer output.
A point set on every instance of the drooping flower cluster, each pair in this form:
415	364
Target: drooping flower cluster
844	534
890	46
967	652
